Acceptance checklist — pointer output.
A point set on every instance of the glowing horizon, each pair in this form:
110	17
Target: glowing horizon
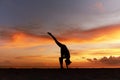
89	28
87	47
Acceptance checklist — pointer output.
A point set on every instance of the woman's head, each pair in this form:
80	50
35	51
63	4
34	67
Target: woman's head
68	62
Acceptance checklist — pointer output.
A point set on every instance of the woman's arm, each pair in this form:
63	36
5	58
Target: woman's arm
56	41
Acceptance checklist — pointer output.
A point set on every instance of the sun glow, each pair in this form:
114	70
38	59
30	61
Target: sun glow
22	40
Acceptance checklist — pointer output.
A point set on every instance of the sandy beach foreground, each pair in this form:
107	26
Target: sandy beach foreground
57	74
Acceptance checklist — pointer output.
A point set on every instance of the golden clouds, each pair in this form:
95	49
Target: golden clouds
107	33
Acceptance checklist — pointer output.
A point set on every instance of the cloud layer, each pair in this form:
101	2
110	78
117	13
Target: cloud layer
106	60
105	33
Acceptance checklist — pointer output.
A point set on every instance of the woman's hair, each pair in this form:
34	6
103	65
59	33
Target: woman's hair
68	62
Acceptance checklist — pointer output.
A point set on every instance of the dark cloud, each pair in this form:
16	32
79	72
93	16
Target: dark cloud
6	33
106	60
33	30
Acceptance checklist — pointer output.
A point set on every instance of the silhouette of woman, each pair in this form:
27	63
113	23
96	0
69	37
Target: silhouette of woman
64	52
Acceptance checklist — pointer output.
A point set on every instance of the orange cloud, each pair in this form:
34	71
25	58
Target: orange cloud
107	33
23	40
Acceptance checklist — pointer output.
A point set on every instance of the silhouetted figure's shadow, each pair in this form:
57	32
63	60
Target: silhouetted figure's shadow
64	52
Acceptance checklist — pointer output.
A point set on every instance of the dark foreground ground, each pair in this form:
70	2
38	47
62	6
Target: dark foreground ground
57	74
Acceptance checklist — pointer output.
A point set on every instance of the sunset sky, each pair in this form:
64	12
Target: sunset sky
89	28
